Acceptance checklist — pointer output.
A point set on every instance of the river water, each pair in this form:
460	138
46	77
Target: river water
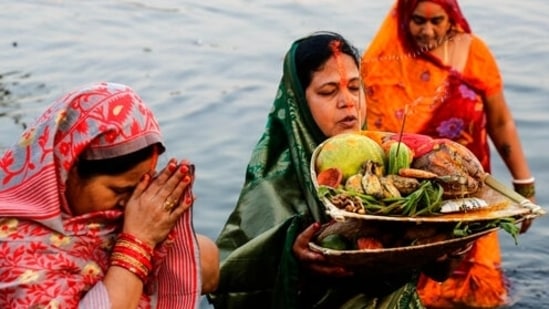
210	70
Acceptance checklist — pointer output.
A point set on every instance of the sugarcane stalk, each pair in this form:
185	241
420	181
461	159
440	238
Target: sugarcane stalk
495	184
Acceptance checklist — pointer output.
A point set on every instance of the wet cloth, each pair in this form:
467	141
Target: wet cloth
278	201
442	102
50	258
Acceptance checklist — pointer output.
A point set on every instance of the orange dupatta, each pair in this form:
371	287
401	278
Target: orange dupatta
437	100
416	91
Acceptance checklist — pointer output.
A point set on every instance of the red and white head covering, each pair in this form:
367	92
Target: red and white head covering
49	257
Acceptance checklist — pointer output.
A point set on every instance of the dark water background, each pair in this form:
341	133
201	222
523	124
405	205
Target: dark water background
210	69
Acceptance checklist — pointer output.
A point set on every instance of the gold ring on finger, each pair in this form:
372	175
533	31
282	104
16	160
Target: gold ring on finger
169	204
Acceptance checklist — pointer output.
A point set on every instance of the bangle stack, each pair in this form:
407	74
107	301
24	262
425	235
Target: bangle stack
525	187
132	254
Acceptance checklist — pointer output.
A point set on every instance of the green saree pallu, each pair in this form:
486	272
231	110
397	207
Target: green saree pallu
277	202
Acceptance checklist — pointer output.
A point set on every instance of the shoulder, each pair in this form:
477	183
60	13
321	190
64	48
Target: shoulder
479	48
471	41
482	68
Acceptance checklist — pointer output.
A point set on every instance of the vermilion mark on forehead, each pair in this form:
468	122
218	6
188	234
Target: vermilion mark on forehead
335	46
428	12
429	9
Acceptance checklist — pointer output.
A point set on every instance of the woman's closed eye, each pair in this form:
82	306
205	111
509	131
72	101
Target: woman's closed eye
354	87
420	20
123	190
328	90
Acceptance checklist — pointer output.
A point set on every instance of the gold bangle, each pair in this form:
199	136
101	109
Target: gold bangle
526	190
133	254
131	264
133	247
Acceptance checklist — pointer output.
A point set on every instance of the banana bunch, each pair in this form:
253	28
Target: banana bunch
372	182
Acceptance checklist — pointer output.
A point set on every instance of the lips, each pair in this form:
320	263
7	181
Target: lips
349	121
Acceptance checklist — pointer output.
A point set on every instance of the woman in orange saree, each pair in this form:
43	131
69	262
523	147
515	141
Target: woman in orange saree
426	72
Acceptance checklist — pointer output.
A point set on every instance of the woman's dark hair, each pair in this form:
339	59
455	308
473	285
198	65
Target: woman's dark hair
314	50
117	165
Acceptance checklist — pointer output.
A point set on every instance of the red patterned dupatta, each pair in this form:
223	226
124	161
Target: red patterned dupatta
49	258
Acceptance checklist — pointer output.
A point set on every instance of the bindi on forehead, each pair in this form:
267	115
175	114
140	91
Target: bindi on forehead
429	10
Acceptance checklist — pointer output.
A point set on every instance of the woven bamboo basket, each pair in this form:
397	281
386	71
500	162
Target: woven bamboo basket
500	205
396	258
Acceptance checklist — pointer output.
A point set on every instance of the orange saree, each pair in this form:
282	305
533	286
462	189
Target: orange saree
419	93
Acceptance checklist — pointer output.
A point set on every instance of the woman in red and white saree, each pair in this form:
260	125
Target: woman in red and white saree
117	247
426	72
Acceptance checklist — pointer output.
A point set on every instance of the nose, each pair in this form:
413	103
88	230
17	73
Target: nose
428	29
345	99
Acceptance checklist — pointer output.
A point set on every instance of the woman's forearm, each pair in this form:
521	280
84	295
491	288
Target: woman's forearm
503	133
96	298
507	143
209	263
123	287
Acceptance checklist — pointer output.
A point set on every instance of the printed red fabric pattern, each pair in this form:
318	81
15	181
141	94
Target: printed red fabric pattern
50	258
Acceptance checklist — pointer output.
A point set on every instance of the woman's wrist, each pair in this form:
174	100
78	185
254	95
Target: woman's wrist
524	181
132	254
525	187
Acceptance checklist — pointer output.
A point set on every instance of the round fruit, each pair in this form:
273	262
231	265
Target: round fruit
348	152
331	177
419	144
368	243
399	155
334	241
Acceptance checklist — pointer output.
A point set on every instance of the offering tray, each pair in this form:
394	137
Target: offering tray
499	206
376	232
397	259
501	202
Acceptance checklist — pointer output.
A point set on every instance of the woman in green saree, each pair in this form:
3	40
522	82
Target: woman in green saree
266	261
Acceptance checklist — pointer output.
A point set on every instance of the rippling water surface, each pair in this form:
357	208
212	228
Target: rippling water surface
210	69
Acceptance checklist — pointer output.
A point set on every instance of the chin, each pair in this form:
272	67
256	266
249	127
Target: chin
426	46
346	130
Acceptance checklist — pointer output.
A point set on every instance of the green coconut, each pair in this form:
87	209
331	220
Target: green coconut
335	242
348	152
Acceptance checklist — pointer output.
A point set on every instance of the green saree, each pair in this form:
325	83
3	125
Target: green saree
278	201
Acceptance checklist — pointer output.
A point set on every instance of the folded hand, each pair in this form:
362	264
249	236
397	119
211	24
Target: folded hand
157	202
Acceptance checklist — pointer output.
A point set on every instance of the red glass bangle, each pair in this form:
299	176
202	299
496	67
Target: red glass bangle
133	254
132	239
